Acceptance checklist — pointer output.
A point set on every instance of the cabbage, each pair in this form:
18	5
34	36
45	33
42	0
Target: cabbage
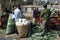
39	35
22	22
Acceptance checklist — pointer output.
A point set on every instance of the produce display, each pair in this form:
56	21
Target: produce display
39	35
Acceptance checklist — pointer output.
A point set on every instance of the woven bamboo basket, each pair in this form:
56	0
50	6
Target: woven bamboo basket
22	30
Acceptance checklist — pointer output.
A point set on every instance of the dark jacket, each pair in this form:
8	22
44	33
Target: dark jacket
35	13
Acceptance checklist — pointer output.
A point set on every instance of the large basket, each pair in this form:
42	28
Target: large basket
22	30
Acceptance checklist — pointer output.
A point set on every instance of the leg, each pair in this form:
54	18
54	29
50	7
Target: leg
43	26
47	27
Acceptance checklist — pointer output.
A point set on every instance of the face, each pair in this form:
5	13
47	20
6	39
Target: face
15	8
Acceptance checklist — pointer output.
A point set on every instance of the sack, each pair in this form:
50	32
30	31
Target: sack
10	25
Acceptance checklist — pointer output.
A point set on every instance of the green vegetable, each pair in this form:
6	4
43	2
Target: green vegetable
40	36
2	13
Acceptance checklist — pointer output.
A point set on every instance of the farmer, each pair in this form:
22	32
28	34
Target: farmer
18	13
45	15
12	19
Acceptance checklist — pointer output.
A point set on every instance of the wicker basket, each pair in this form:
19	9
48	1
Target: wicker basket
22	30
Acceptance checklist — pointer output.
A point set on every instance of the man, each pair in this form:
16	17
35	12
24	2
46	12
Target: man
35	13
17	14
45	15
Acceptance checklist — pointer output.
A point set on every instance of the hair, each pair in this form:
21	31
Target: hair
51	4
17	6
45	6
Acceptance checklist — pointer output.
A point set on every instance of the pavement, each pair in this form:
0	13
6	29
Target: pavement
11	37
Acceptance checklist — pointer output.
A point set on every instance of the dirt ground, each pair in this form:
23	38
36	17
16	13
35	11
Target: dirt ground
11	37
28	14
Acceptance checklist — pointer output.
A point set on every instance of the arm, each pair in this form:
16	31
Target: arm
49	13
43	14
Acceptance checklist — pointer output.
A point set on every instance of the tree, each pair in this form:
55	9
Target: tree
19	2
29	1
48	3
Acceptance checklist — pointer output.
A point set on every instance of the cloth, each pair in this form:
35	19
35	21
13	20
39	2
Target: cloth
46	27
35	13
46	14
43	22
39	19
17	14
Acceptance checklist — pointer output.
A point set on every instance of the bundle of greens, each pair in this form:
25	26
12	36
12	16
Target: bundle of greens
2	13
39	35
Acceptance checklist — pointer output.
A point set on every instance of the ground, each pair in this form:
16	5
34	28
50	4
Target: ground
11	37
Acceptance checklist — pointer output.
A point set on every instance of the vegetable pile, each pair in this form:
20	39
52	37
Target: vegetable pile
2	13
22	22
39	35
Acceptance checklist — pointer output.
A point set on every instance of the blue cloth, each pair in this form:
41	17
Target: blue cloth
17	14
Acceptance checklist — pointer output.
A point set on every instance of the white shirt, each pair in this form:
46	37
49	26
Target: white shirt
17	14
